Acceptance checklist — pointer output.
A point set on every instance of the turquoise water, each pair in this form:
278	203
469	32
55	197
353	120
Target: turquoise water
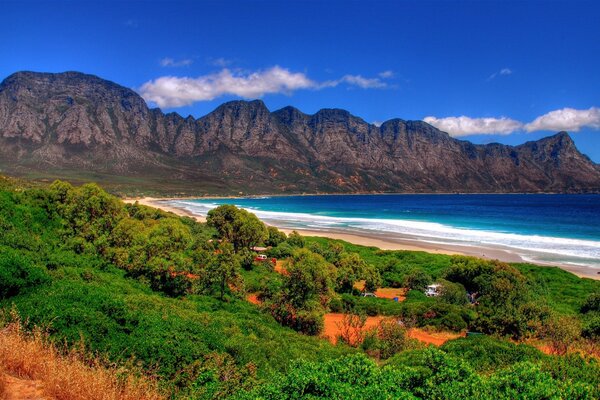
539	228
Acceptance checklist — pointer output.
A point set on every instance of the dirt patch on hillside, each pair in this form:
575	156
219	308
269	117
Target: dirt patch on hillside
279	268
435	338
384	293
333	325
253	298
391	293
334	322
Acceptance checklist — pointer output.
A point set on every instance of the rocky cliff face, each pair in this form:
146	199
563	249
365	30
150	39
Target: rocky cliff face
75	123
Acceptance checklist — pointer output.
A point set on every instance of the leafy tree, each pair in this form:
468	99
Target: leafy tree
465	270
283	250
224	219
250	231
296	240
331	251
350	268
453	293
166	237
527	381
246	258
373	279
237	226
90	212
222	270
309	279
274	236
417	279
306	290
486	354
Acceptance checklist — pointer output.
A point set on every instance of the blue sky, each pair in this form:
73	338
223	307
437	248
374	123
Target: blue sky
484	71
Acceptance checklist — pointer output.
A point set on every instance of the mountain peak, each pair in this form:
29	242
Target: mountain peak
56	123
562	136
244	105
289	114
332	113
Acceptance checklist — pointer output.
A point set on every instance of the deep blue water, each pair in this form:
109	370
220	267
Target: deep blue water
544	228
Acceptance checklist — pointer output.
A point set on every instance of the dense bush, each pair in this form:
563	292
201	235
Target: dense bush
388	339
274	236
592	303
453	293
417	279
485	353
305	293
237	226
296	240
18	273
371	305
281	251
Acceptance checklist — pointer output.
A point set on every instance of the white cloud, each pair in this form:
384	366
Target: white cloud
566	119
502	72
377	123
465	126
219	62
169	62
355	80
171	91
386	74
365	83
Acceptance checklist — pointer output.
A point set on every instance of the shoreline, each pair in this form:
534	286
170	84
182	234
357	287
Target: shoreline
156	202
304	194
385	243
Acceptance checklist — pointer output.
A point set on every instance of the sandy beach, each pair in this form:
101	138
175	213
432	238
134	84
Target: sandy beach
385	243
159	203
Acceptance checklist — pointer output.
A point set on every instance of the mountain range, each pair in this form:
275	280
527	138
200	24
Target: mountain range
80	127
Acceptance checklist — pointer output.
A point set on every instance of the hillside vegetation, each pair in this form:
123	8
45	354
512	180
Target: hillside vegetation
137	286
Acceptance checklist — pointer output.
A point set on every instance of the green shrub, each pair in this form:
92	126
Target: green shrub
283	250
453	293
592	303
296	240
485	353
274	236
18	273
591	327
417	280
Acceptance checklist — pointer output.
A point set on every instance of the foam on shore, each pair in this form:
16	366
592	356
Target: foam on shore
532	248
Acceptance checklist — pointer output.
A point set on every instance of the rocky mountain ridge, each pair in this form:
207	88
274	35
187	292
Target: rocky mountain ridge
73	124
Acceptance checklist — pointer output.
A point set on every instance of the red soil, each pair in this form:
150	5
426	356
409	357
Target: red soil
253	298
333	323
435	338
390	293
384	293
279	268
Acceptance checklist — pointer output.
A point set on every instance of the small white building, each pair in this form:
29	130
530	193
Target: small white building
433	290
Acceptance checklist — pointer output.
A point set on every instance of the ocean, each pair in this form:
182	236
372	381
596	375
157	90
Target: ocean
541	228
